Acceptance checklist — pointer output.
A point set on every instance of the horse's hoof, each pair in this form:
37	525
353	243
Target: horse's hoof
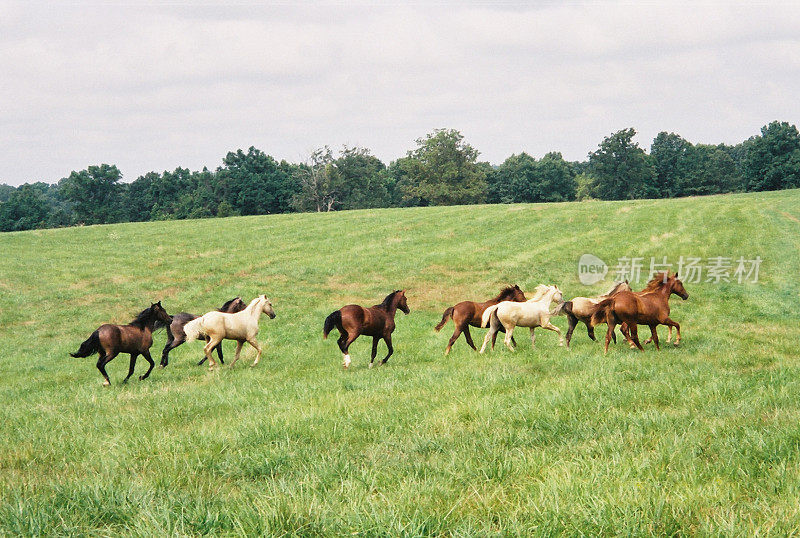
370	365
142	378
106	383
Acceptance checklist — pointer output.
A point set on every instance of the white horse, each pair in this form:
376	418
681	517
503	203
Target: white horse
241	326
533	313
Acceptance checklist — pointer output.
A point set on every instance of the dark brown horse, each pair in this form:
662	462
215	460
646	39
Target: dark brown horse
135	338
377	321
468	313
176	335
649	308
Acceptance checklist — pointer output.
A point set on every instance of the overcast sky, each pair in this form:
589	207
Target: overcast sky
154	86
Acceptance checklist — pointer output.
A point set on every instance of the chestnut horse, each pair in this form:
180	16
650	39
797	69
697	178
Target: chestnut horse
177	336
377	321
645	307
468	313
135	338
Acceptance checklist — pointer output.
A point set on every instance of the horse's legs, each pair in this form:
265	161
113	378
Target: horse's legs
204	359
609	333
509	335
350	339
167	348
469	338
533	336
102	360
550	327
375	340
573	322
456	333
131	367
388	339
669	334
239	344
219	353
653	336
341	340
677	326
490	335
635	336
149	359
210	345
253	342
625	329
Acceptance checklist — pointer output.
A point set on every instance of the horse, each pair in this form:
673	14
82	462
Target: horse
468	313
241	326
135	338
176	336
581	308
535	312
647	308
377	321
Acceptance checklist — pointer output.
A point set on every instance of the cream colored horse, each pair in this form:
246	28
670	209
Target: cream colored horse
241	326
533	313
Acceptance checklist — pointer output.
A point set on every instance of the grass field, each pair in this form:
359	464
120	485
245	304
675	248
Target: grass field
703	438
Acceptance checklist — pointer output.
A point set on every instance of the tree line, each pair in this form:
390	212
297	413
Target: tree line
443	169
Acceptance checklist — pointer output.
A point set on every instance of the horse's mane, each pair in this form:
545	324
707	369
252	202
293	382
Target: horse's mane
224	307
538	292
616	286
388	301
508	291
143	317
658	281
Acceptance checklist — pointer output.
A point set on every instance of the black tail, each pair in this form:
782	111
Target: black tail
89	346
334	320
447	315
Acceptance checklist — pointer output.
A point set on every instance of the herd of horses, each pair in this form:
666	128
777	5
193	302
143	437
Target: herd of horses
238	321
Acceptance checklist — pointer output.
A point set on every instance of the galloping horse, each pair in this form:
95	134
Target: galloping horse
241	326
535	312
135	338
581	308
377	321
646	307
176	336
468	313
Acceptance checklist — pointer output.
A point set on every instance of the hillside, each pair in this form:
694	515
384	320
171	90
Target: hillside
700	438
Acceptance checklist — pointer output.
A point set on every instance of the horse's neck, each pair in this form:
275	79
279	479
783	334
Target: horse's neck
391	310
546	298
254	311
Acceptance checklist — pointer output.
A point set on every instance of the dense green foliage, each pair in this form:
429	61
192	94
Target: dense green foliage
703	439
442	170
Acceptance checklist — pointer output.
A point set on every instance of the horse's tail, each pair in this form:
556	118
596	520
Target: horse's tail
601	311
564	307
89	346
193	329
333	320
447	315
487	315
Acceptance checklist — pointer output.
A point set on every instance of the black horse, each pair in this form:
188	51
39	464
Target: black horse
176	336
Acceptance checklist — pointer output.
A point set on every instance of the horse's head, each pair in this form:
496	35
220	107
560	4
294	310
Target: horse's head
557	295
676	287
159	314
514	293
402	303
233	306
266	307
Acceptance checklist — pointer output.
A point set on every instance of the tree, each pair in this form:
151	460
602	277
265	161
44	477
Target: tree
320	186
773	159
254	183
622	170
443	170
672	155
95	193
362	179
521	178
25	209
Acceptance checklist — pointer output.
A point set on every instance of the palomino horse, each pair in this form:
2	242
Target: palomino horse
135	338
581	308
535	312
468	313
646	307
176	336
241	326
377	321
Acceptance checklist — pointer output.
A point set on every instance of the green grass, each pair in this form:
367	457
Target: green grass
700	439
